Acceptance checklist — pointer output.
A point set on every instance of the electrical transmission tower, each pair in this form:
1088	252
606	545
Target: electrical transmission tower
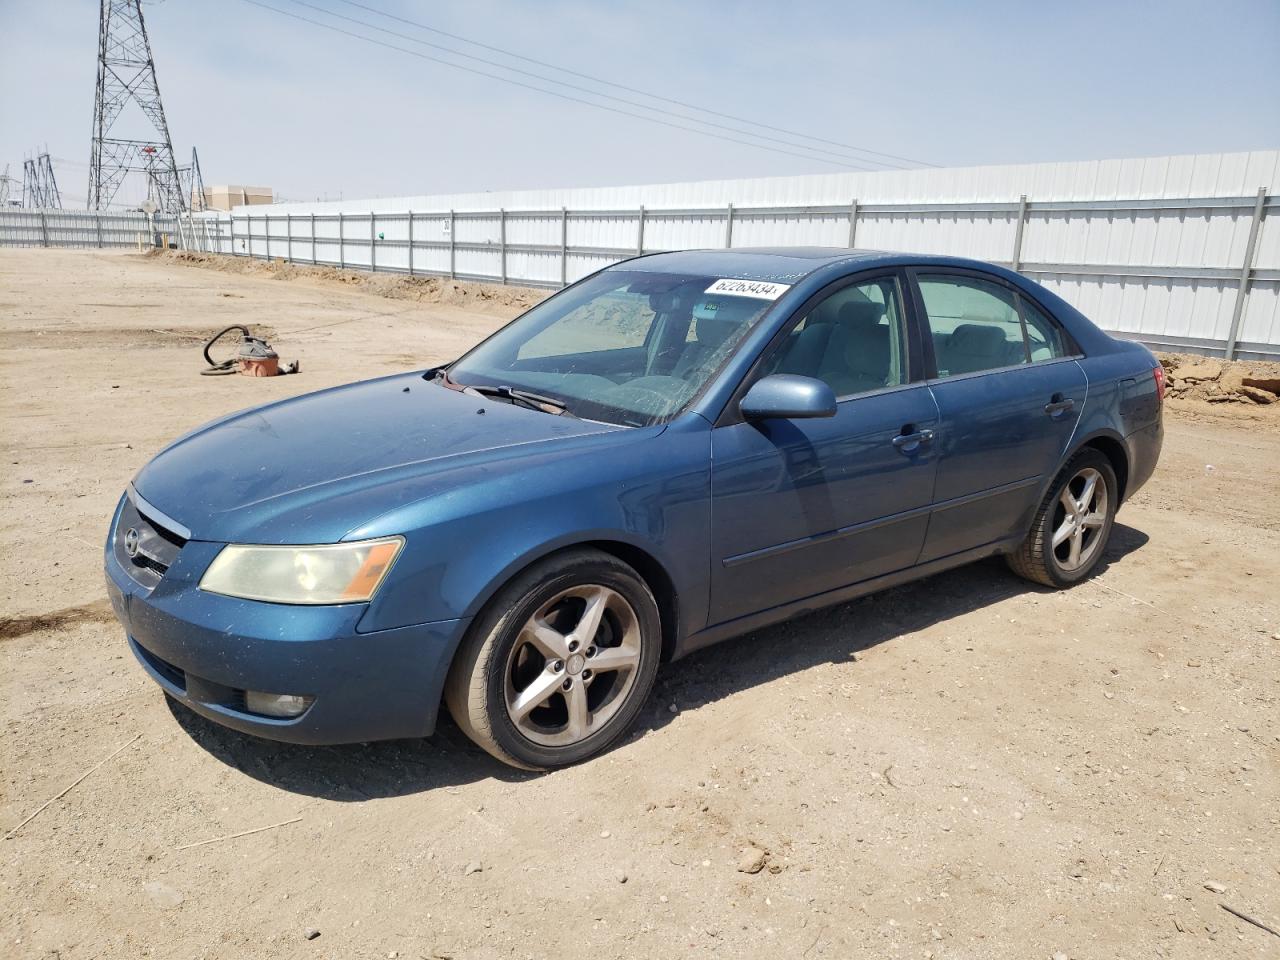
7	183
127	75
39	188
193	183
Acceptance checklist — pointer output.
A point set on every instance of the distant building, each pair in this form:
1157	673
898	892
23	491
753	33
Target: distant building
226	197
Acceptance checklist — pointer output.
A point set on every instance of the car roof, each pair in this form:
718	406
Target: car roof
779	264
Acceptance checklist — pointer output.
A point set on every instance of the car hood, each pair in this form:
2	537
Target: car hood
312	468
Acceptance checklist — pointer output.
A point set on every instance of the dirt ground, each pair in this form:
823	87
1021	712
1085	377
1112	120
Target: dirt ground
967	767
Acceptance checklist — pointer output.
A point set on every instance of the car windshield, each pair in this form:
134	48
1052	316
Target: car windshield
623	346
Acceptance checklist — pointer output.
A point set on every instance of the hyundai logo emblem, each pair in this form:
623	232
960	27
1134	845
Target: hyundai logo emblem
131	538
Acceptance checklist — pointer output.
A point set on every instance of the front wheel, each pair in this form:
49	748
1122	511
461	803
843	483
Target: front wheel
1072	525
560	662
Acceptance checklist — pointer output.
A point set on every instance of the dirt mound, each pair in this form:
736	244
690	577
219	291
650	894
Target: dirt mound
395	286
1221	381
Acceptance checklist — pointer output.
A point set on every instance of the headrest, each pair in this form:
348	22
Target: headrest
713	331
977	337
860	313
716	318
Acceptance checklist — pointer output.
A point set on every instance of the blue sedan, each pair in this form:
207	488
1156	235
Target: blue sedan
673	451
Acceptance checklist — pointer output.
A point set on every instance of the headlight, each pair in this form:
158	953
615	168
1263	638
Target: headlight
327	573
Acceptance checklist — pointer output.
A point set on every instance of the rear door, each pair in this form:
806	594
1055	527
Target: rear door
1009	395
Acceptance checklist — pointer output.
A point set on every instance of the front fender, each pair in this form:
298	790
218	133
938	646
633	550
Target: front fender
462	546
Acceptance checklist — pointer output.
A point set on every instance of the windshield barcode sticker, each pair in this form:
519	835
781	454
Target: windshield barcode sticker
760	289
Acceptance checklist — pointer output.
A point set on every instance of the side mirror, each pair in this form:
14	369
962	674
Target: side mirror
788	397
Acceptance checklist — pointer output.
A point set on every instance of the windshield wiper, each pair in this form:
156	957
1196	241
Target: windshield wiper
534	401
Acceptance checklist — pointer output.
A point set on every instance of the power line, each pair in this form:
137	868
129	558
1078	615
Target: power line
621	86
553	93
590	92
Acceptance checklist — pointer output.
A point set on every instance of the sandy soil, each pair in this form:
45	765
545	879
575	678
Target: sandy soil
967	767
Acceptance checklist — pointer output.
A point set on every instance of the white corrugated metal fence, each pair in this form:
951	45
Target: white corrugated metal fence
1179	252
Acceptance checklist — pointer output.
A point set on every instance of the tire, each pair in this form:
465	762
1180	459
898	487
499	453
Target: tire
530	684
1037	559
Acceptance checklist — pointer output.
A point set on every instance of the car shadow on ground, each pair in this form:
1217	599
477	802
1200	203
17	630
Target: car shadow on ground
399	767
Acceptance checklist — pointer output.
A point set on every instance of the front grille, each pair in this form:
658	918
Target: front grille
144	547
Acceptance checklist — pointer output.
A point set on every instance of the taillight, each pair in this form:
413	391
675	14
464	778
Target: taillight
1159	372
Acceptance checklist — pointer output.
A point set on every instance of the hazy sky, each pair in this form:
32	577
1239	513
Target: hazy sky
274	101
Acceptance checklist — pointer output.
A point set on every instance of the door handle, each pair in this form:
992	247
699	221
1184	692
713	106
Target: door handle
909	441
1058	404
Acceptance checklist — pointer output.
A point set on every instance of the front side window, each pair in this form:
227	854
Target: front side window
625	346
852	340
974	323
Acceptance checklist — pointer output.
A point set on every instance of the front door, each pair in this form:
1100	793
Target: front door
1009	395
806	506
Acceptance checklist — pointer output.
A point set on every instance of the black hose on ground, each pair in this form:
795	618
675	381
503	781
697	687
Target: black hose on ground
223	368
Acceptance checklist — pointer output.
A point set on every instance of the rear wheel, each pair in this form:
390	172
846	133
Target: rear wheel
1072	525
560	662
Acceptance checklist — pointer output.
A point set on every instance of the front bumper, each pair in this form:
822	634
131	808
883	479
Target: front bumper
206	650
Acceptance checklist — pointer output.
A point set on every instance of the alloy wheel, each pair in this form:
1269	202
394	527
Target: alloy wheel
572	665
1079	519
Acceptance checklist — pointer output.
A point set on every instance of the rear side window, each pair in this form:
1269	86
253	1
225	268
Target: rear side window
974	323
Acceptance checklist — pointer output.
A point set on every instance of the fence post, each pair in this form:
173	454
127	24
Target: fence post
44	228
728	227
853	221
1246	274
266	238
314	259
97	224
373	242
453	230
502	239
411	243
1016	263
564	246
640	232
288	237
342	253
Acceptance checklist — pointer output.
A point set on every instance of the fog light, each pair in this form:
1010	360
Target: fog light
276	704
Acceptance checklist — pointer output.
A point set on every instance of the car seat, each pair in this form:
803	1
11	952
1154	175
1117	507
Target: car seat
858	355
714	322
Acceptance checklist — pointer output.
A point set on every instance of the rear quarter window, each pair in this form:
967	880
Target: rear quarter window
1044	337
